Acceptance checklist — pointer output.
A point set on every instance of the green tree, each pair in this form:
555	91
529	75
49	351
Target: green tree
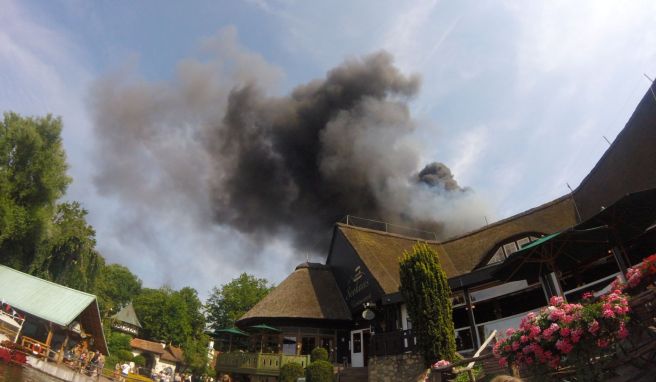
427	294
32	178
68	255
116	287
228	303
195	353
117	341
170	316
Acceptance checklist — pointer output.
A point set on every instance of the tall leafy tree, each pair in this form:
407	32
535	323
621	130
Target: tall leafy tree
32	178
232	300
68	255
168	315
427	294
116	287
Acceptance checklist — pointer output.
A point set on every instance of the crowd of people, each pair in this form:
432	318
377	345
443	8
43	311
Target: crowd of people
86	361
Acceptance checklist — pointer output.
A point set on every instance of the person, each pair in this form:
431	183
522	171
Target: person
125	370
100	365
226	378
117	372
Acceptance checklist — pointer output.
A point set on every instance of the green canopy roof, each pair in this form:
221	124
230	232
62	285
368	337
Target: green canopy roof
235	331
265	327
559	251
42	298
127	315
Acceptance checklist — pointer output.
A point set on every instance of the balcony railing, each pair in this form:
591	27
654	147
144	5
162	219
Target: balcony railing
257	363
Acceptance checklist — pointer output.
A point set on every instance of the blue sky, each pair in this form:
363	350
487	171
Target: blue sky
515	96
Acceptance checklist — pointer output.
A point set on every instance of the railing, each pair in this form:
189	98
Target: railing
258	363
37	348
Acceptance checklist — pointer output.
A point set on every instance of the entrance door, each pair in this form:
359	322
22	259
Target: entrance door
359	347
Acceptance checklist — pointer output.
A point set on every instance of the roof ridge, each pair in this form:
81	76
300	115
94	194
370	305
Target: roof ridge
509	218
397	235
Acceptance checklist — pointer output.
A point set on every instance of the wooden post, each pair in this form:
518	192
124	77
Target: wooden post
62	349
48	341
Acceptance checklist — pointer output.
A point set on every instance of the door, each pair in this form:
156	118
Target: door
359	347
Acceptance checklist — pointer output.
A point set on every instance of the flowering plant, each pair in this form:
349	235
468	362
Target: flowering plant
441	363
638	276
565	334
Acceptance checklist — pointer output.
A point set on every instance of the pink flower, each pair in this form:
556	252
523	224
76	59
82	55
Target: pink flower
565	332
608	313
515	346
523	339
622	332
441	363
503	361
564	346
602	343
593	328
510	332
556	300
576	335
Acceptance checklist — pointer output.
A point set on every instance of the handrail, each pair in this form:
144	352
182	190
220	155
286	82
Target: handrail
36	347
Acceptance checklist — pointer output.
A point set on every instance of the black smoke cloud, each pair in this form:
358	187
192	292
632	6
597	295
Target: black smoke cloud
213	144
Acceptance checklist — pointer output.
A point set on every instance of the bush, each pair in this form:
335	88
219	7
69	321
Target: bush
125	355
139	360
290	372
319	371
319	354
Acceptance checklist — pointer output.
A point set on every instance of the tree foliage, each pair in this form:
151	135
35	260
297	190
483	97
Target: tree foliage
291	372
232	300
319	371
168	315
68	256
427	294
116	287
32	178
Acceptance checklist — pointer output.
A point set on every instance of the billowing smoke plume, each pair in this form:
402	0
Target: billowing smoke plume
216	145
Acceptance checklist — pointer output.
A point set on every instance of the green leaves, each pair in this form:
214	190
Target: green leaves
32	178
426	292
227	304
115	287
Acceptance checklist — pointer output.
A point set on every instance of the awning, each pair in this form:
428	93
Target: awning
627	218
264	328
559	251
231	331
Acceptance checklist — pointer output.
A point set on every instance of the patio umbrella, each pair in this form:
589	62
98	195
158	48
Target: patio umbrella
264	328
559	251
231	332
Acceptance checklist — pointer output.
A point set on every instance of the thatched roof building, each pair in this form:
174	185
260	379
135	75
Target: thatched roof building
308	296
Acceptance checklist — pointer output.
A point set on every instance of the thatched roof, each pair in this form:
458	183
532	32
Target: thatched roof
474	248
380	252
629	164
310	292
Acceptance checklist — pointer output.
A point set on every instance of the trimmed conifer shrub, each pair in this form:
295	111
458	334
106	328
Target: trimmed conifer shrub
290	372
319	354
427	295
319	371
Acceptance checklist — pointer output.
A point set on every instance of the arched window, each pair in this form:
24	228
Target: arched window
511	245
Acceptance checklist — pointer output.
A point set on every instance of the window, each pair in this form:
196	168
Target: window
289	345
509	247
